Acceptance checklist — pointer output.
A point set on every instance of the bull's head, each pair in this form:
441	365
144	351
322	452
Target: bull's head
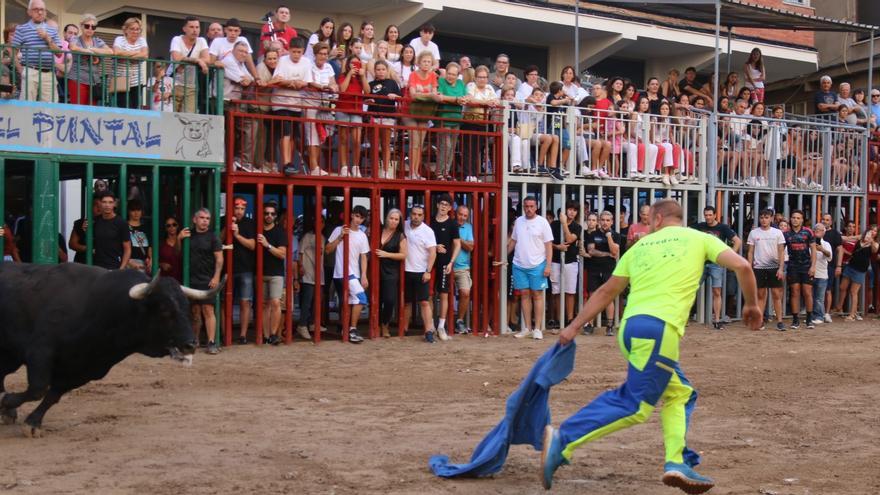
168	316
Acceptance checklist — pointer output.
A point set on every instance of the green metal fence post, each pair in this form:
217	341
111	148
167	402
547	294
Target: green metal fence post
2	204
87	196
186	220
123	191
45	213
214	202
157	218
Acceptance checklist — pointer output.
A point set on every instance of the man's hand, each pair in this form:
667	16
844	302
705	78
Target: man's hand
447	269
184	233
426	276
43	34
567	335
234	228
753	316
215	281
546	270
203	65
262	240
365	282
811	271
85	225
780	274
441	249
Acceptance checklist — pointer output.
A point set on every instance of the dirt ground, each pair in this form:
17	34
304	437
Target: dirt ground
791	413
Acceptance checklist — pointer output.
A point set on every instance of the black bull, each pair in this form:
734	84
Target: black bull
70	324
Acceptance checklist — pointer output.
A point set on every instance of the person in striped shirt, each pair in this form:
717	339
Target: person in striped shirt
34	39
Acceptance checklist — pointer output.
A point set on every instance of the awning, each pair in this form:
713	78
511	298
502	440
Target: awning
738	13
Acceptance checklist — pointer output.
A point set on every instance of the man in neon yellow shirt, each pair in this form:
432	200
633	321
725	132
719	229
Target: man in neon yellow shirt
663	270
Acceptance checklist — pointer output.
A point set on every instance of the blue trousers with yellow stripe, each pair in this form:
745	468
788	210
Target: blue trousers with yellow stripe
651	349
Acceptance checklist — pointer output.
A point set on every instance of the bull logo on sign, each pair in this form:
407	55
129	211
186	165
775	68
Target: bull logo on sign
194	143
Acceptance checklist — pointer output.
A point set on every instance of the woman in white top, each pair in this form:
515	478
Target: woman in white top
324	34
129	73
731	85
662	135
368	33
481	100
406	65
641	153
569	82
382	54
392	36
754	74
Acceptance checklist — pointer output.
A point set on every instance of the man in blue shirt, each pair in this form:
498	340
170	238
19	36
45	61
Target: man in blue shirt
875	104
461	267
34	39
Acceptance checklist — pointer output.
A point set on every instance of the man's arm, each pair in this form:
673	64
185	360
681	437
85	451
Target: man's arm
432	257
812	249
548	256
511	243
751	255
613	246
737	243
218	269
126	254
780	255
75	242
752	315
456	248
467	246
596	303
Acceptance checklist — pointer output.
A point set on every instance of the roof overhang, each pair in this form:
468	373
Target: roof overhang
739	13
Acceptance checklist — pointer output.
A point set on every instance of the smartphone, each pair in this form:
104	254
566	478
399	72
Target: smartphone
357	64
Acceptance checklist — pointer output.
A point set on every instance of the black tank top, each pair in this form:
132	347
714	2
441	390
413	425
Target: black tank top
389	268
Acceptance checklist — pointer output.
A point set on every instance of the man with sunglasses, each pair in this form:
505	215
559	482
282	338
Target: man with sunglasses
243	244
274	244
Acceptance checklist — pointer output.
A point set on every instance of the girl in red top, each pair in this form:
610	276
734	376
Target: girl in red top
422	87
349	108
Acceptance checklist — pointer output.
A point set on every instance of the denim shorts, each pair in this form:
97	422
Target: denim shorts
244	286
529	278
854	275
349	117
715	273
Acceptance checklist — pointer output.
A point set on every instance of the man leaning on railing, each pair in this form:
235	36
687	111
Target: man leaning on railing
35	38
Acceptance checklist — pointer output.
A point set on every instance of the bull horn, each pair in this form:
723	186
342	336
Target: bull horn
203	295
143	289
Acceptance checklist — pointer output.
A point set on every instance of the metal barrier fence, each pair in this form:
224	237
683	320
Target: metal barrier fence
313	137
796	155
602	144
37	74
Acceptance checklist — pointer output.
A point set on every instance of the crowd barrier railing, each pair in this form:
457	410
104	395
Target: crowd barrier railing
785	154
598	144
67	76
312	135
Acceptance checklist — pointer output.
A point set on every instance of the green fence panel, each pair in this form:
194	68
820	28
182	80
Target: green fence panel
45	214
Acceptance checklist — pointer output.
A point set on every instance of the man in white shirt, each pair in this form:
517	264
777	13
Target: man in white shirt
236	79
529	84
820	277
222	47
291	76
532	246
188	48
423	42
420	256
358	247
767	255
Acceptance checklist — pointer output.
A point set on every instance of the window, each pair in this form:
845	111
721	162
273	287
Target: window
799	3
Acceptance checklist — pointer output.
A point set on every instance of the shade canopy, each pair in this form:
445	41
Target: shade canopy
739	13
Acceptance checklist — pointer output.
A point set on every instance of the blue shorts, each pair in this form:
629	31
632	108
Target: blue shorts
854	275
244	286
529	278
566	140
715	273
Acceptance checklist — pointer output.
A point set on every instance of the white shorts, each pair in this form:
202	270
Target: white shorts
571	278
316	135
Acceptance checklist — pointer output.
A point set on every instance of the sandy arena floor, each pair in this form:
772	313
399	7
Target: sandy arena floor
791	413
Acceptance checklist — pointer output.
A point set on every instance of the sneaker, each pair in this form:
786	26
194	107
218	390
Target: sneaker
609	331
818	321
827	318
763	325
602	173
552	324
587	171
556	174
274	340
588	329
343	171
780	326
551	456
525	332
290	170
382	173
683	477
795	323
717	325
810	324
461	328
429	336
303	332
242	340
354	337
318	172
356	171
537	335
666	180
672	180
542	170
441	332
212	348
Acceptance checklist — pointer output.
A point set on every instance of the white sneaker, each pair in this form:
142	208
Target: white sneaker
667	181
381	173
602	173
355	171
827	318
818	322
525	332
587	171
303	332
343	171
441	332
673	180
537	335
318	172
506	330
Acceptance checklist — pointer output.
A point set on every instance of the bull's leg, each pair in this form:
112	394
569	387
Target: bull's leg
33	424
7	415
39	373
